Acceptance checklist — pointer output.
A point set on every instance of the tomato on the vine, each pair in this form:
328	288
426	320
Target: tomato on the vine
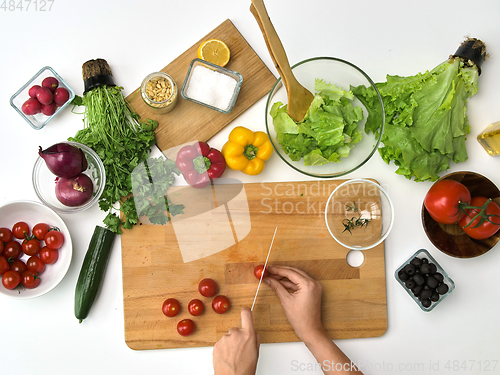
30	279
48	255
40	230
443	199
20	229
19	266
12	250
488	227
171	307
11	279
31	246
208	288
35	264
258	271
221	304
196	307
4	265
185	327
54	239
6	235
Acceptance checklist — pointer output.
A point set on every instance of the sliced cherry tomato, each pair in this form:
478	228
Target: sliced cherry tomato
11	279
31	246
20	229
221	304
258	271
171	307
4	265
208	288
185	327
6	235
443	199
19	266
48	255
54	239
12	250
196	307
487	228
40	230
30	279
35	264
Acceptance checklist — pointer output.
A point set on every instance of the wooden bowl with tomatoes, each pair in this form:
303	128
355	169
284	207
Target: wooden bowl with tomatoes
447	227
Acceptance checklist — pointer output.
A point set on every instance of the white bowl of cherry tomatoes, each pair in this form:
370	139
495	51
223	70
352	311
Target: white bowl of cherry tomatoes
36	249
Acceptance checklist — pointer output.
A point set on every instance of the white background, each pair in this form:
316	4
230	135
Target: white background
138	37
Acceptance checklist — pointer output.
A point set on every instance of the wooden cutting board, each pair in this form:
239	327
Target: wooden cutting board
189	121
154	267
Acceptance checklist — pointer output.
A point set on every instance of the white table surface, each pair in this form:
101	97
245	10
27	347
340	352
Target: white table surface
42	336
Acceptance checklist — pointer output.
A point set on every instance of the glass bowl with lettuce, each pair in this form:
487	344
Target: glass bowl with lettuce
332	139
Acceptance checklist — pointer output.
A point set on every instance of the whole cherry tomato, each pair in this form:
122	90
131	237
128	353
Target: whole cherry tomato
6	235
31	246
258	271
12	250
20	229
221	304
185	327
171	307
48	255
196	307
30	279
19	266
54	239
208	288
11	279
40	230
35	264
476	229
4	265
443	199
1	247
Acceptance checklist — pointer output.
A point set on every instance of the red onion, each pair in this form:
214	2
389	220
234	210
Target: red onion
74	191
64	160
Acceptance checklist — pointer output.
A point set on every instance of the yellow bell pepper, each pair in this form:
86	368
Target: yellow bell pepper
247	151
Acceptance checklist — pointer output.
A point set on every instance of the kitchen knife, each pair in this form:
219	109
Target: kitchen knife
263	271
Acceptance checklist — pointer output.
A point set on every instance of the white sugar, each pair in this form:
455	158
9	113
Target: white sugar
211	87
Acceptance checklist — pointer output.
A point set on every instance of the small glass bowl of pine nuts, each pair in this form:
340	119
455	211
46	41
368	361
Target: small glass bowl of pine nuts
159	92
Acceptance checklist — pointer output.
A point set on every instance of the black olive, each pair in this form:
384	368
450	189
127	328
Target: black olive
433	268
410	284
419	279
439	277
435	297
417	262
416	291
431	282
426	302
410	269
442	289
426	294
425	260
403	276
425	268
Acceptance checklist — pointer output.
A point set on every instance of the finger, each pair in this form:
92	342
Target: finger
246	319
293	274
277	288
289	285
232	330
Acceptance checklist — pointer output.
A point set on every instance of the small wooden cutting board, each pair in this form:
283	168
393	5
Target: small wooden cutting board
189	121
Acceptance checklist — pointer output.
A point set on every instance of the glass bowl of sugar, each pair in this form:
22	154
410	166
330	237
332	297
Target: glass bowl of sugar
212	86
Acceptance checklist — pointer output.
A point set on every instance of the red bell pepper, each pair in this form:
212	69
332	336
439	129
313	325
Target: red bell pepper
199	164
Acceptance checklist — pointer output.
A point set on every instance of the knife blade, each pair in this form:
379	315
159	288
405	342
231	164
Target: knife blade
265	265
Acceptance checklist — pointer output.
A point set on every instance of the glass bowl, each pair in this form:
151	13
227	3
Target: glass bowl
169	88
343	74
422	253
33	213
359	214
44	181
212	86
17	100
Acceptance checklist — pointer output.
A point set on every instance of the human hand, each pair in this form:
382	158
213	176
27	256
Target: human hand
236	353
300	296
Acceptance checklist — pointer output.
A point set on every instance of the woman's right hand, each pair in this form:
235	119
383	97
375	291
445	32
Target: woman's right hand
300	296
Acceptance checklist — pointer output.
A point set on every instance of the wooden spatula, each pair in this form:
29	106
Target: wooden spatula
299	98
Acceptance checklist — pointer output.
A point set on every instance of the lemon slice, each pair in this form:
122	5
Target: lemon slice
214	51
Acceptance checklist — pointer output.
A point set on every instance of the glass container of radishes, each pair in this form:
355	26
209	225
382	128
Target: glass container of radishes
42	97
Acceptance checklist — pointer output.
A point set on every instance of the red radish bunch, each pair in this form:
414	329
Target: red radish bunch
45	98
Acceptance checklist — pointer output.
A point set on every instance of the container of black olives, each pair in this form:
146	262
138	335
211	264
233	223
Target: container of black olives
424	280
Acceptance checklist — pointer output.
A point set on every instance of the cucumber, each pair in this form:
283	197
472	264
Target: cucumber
92	272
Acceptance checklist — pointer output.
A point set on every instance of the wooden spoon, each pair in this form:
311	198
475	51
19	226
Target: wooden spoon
299	98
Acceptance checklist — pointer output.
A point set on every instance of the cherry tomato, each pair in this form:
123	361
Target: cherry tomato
31	246
35	264
6	235
18	266
40	230
221	304
4	265
208	288
30	279
1	247
20	229
48	255
185	327
12	250
11	279
443	198
171	307
486	229
54	239
196	307
258	271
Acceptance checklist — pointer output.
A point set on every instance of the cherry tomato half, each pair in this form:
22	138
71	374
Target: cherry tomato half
171	307
258	271
185	327
11	279
40	230
4	265
208	288
30	279
35	264
221	304
486	229
19	266
196	307
20	229
6	235
48	255
443	199
12	250
54	239
31	247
